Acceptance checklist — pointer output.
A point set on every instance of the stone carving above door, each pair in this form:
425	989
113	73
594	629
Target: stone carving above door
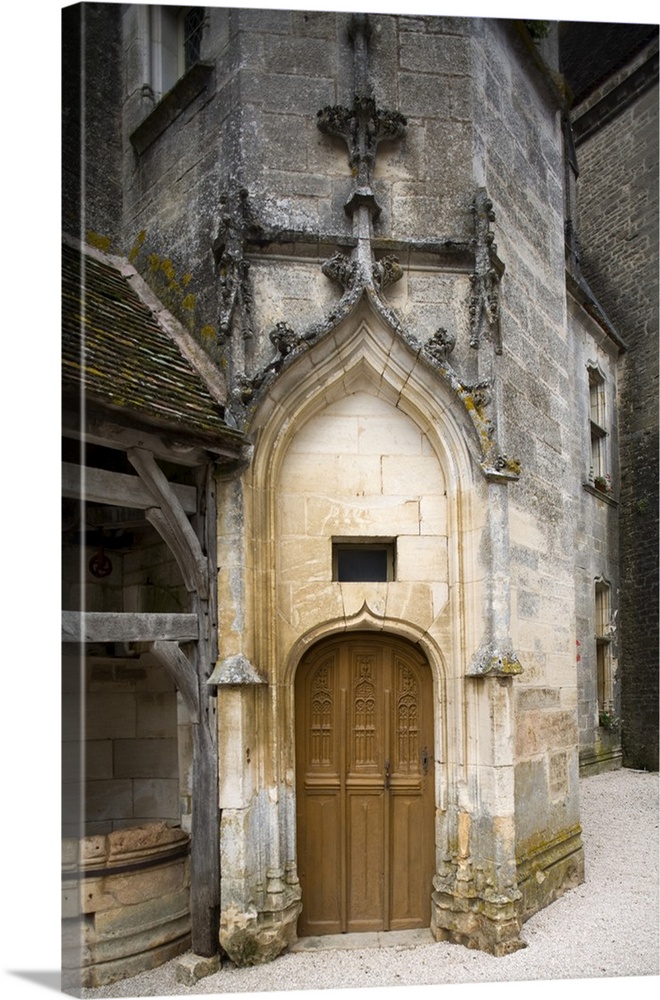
364	273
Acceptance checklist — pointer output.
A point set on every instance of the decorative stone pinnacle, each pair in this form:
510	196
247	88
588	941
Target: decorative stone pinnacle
363	125
484	302
231	266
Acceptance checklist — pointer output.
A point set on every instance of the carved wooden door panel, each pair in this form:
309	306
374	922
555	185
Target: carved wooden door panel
365	788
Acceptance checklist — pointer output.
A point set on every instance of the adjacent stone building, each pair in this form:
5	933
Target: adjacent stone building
615	130
344	588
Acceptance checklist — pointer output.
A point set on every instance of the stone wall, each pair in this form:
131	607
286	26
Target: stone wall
618	233
129	751
518	156
361	469
91	123
478	468
596	548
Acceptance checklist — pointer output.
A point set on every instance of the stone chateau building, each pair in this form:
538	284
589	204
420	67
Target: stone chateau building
360	470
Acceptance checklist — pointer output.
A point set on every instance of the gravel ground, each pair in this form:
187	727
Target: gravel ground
606	927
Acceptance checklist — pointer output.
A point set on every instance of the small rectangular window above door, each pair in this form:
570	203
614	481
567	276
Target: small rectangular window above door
363	561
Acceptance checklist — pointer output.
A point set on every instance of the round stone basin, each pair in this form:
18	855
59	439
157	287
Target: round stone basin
125	902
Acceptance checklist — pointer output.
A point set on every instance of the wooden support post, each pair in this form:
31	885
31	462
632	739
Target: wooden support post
205	843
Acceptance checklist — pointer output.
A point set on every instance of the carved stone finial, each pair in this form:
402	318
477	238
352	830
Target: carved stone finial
362	127
440	345
341	268
386	271
284	338
243	389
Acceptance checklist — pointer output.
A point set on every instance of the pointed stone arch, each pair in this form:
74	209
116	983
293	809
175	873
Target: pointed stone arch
274	601
364	349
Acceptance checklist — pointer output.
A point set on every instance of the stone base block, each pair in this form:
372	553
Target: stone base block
252	939
476	923
599	761
546	874
191	968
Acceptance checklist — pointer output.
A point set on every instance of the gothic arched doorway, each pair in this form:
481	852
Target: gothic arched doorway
365	785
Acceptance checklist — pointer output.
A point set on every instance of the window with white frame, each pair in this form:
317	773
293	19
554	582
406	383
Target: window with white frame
603	614
598	429
176	37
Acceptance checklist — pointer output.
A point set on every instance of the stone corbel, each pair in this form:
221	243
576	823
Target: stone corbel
503	470
235	670
491	661
341	269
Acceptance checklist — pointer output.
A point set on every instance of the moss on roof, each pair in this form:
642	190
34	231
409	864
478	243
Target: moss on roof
116	353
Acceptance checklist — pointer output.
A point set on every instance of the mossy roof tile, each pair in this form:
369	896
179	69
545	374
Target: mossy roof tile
115	351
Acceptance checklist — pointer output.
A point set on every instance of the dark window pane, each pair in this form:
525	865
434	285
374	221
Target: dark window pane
193	26
361	564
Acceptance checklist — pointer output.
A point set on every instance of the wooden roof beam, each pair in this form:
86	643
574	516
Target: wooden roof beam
117	626
117	489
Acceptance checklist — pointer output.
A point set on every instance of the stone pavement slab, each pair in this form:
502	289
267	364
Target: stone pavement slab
374	939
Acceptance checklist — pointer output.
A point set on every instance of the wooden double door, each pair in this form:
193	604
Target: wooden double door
365	786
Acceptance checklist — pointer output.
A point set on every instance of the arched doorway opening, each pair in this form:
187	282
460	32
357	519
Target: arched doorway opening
365	785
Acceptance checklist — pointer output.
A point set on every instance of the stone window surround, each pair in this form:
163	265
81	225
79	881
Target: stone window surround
356	546
597	421
171	92
599	432
168	59
603	638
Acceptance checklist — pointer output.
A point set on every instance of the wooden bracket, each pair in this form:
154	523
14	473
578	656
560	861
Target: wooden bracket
182	672
169	519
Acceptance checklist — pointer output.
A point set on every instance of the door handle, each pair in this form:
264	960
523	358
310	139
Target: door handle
387	774
425	760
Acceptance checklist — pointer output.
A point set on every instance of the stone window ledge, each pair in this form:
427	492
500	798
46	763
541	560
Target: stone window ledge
172	104
599	493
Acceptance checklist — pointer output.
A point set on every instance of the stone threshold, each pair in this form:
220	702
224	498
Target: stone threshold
367	939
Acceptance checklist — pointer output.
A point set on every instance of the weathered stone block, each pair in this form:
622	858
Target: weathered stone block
422	472
111	891
109	800
421	558
110	716
156	798
189	969
155	715
147	758
434	54
303	57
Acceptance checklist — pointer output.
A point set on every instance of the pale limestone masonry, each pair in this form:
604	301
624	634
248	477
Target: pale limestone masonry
359	437
362	222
